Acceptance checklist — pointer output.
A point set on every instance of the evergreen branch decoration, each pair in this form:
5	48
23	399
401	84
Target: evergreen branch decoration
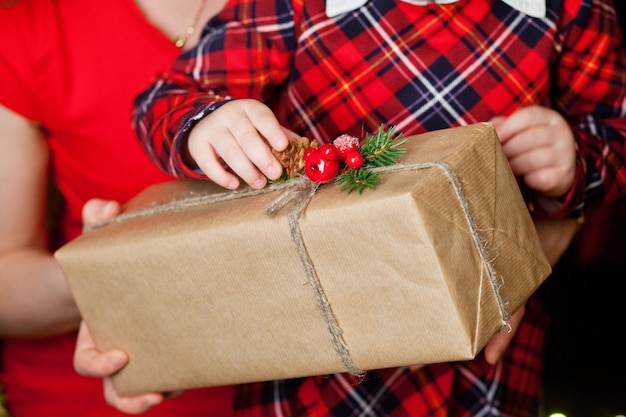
382	148
357	179
348	160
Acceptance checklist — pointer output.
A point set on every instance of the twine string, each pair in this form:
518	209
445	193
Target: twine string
199	200
298	201
297	193
479	243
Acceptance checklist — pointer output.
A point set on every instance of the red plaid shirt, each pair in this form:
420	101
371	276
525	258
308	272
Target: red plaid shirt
419	68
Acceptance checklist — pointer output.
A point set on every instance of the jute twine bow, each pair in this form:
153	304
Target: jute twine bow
297	193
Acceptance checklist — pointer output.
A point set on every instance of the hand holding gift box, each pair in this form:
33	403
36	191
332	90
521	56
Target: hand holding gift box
202	288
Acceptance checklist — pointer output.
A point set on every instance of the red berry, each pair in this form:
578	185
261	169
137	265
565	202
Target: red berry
308	152
346	143
320	169
354	159
328	151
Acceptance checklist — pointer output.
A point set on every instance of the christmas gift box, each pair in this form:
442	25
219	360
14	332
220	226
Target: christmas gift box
206	287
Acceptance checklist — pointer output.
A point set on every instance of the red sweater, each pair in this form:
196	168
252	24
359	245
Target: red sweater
75	67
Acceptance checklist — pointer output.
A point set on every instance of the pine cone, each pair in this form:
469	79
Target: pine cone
292	158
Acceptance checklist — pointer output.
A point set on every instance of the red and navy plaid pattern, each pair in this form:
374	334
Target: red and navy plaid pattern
474	388
420	68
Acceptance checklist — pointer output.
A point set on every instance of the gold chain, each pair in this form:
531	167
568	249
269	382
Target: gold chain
181	39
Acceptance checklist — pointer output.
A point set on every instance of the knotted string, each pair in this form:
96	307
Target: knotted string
298	198
297	193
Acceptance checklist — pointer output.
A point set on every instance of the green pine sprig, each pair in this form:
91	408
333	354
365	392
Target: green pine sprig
357	179
380	149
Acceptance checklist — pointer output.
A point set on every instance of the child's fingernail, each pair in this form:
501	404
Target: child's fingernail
260	183
274	172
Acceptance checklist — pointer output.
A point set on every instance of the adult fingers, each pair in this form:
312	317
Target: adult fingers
497	345
130	405
98	210
90	361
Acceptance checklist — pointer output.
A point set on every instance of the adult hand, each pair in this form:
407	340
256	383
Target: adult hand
555	236
97	210
88	359
497	345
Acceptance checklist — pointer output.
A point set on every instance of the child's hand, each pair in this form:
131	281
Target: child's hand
540	147
240	134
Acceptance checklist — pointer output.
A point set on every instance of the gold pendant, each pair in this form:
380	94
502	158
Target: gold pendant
180	41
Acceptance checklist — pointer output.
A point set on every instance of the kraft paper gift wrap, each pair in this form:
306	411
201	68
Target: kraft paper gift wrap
202	292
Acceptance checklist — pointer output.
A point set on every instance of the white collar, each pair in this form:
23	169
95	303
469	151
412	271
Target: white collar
533	8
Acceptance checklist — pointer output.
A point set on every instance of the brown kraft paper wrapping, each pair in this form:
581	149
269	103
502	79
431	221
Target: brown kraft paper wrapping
202	292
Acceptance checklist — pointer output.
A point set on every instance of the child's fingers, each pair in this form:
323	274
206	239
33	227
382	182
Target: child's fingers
257	152
533	159
224	155
210	163
521	120
257	139
242	160
497	124
266	124
536	141
549	181
238	139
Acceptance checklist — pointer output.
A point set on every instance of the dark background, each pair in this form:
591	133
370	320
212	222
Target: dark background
585	373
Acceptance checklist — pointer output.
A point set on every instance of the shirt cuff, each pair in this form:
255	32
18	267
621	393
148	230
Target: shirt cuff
179	166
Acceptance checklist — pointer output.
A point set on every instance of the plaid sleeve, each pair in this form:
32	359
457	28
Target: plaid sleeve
244	52
591	93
